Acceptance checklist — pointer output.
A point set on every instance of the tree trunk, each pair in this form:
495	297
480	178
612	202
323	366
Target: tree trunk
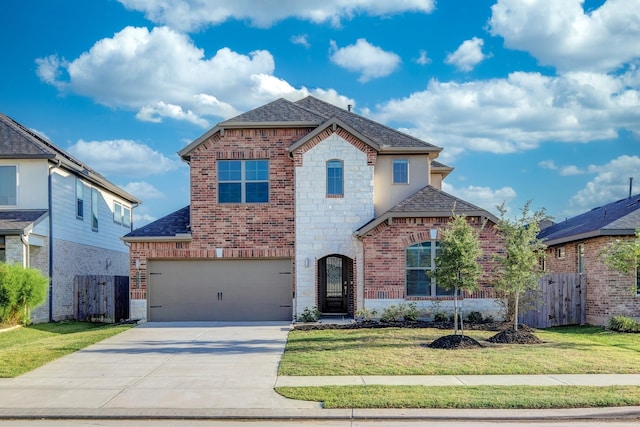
515	310
455	310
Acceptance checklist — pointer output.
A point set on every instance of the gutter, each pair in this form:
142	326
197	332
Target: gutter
50	203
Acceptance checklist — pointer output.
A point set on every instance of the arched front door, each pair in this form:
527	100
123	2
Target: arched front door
335	283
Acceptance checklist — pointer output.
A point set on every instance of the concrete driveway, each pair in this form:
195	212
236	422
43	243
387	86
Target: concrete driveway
206	365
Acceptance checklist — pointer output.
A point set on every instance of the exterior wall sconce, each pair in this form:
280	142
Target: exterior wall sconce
219	252
307	262
433	233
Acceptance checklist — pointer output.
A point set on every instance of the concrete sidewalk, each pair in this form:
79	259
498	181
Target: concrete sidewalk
228	371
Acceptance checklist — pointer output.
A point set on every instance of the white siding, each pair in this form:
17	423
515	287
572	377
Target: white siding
66	226
32	183
324	225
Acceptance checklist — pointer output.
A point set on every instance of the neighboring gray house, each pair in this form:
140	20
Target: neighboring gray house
59	216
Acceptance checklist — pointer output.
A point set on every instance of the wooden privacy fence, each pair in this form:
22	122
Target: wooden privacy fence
562	300
102	298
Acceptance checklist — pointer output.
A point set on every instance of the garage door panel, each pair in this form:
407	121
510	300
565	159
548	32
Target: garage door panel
234	290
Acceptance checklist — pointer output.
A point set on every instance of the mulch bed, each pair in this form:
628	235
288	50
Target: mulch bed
509	336
455	342
505	335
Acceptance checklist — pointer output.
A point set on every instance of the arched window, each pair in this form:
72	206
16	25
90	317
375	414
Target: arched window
420	260
335	178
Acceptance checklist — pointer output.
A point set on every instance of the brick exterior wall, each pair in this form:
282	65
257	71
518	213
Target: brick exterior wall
609	293
385	279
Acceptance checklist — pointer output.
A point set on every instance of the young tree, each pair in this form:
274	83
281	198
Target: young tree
519	266
457	264
623	256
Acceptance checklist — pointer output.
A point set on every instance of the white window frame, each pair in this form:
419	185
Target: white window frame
95	208
580	258
79	198
118	214
15	167
341	192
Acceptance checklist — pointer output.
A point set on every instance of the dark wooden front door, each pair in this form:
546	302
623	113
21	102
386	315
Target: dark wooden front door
335	281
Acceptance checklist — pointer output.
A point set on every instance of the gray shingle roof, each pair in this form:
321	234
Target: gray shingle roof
175	223
430	199
278	111
15	222
429	202
621	217
18	142
381	134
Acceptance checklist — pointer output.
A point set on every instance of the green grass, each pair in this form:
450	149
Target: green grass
26	348
398	351
468	397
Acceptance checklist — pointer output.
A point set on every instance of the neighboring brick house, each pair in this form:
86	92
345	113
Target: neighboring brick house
575	246
59	216
297	205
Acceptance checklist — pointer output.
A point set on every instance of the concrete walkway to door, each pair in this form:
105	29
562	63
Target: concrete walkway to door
160	366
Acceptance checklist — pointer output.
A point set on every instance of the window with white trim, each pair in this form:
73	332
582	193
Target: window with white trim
580	252
94	209
117	212
243	181
419	262
126	216
401	171
8	185
79	199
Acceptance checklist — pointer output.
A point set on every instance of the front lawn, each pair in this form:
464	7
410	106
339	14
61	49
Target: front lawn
467	397
403	351
26	348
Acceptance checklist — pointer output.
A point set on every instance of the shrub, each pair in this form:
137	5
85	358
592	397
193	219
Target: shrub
366	315
393	313
440	316
410	312
624	324
21	289
474	317
309	315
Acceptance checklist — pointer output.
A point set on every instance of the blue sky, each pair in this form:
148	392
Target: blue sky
532	100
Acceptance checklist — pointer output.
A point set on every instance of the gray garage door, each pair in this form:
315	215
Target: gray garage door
234	290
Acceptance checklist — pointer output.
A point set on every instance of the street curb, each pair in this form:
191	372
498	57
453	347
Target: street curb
497	415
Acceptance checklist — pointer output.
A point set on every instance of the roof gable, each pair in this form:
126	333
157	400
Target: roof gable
429	202
621	217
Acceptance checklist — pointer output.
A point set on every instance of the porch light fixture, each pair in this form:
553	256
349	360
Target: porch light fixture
433	233
306	262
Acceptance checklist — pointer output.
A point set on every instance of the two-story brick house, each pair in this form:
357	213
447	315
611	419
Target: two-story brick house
59	216
576	246
297	205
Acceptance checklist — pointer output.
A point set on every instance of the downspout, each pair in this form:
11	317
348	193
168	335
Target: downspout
50	207
25	251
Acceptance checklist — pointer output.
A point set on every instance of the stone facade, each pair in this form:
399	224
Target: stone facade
609	293
326	225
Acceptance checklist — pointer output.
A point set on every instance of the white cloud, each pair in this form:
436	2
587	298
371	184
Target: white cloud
162	74
141	218
123	157
468	55
190	15
364	58
562	34
517	113
484	197
143	190
423	59
610	184
301	39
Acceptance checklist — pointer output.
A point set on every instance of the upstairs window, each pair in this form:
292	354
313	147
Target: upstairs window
126	216
335	178
243	181
121	214
8	185
94	209
401	171
79	199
